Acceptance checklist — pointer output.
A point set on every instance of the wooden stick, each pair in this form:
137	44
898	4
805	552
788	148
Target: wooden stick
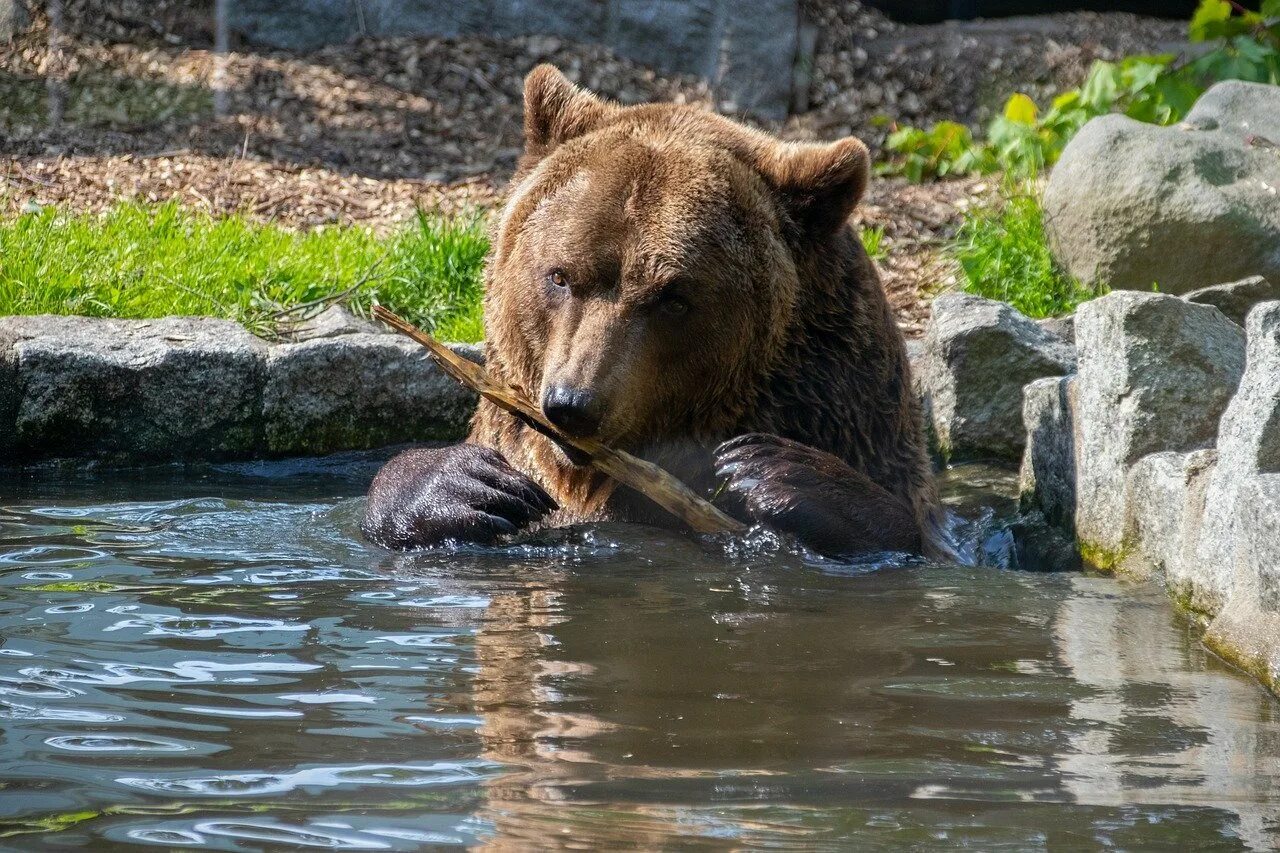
646	478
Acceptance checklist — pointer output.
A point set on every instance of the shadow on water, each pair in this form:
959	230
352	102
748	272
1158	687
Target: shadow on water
215	659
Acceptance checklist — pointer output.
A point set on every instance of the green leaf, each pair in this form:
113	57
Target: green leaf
1020	109
1066	100
1271	8
1209	20
1099	91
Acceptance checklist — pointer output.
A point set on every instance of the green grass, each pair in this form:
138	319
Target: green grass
1003	254
873	241
152	261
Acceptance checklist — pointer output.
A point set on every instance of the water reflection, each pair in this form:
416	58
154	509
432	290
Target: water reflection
233	674
1163	725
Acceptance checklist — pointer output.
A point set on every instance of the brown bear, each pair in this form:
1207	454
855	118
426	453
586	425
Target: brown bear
688	289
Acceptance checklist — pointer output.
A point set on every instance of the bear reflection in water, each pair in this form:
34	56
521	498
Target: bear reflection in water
639	690
686	288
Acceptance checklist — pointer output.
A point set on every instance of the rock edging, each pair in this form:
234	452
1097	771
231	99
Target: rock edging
186	388
977	356
1162	456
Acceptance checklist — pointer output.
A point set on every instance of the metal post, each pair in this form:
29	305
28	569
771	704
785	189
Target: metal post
221	46
54	84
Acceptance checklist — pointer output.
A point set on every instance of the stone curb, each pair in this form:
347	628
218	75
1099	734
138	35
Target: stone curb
1162	455
195	388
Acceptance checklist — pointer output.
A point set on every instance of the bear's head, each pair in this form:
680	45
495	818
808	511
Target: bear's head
648	261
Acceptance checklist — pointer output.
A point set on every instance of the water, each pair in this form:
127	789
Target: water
213	660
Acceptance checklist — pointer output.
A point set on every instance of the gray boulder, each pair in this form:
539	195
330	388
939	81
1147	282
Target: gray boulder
358	391
1248	445
1164	504
175	388
1132	204
1237	298
1156	374
1047	481
1060	327
1247	630
978	355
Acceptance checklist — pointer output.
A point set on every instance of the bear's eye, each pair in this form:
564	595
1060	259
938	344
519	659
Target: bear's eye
557	278
673	305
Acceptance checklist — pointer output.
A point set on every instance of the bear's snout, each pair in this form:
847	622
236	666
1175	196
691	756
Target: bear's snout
576	411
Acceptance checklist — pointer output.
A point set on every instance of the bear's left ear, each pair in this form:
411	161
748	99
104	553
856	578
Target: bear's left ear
556	111
819	184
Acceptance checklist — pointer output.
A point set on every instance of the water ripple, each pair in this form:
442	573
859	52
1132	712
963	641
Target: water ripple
278	576
187	671
115	743
200	627
50	555
329	698
15	711
418	640
249	784
167	837
290	835
35	689
69	608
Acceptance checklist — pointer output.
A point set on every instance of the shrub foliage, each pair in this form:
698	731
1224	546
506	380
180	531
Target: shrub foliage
1024	139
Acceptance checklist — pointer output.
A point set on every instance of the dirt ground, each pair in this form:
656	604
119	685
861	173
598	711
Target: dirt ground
364	132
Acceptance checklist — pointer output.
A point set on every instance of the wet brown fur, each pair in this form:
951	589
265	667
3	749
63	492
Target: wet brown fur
787	331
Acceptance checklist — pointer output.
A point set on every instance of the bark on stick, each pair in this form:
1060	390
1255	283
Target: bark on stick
646	478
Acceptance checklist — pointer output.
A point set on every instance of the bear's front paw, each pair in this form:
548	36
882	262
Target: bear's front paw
812	495
464	493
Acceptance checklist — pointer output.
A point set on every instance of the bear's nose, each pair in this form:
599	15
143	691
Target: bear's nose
572	409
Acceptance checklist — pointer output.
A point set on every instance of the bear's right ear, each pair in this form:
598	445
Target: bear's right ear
556	111
819	183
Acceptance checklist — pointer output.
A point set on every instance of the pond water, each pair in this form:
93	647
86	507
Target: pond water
212	659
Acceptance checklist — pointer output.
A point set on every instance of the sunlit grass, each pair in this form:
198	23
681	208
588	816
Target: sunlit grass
152	261
1003	254
873	241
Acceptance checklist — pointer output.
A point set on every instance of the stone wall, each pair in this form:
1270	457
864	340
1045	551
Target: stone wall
745	50
196	388
1149	428
1162	457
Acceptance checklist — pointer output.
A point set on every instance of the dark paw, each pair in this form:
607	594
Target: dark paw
812	495
464	493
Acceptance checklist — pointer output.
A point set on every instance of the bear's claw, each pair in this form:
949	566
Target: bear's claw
812	495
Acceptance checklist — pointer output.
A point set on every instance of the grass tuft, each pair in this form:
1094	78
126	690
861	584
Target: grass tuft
152	261
873	241
1003	254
